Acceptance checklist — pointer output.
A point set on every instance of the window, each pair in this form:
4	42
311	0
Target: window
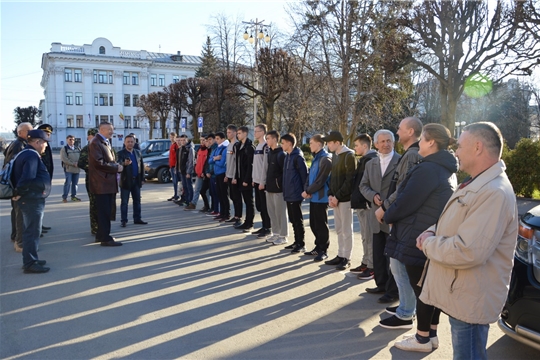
126	78
68	75
102	77
69	119
102	50
95	76
134	78
78	75
153	80
110	77
135	100
96	99
161	80
97	121
184	77
110	100
127	100
78	98
103	118
111	120
127	122
175	79
69	98
103	99
80	122
136	122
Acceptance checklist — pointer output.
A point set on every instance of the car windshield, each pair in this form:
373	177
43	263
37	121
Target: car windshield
166	153
144	145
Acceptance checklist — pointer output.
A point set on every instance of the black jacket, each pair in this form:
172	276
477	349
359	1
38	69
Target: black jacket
420	201
358	201
342	175
127	177
244	161
14	148
274	173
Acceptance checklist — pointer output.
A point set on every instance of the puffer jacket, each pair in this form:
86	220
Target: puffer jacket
295	172
471	255
317	181
421	199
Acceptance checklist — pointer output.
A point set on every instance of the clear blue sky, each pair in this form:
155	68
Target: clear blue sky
29	28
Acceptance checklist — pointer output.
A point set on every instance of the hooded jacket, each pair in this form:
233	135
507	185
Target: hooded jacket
185	159
319	173
274	173
295	173
342	176
220	166
244	161
420	200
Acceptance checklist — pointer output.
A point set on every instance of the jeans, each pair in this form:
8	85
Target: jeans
214	194
343	222
407	298
174	178
71	179
187	185
135	192
32	213
197	190
468	340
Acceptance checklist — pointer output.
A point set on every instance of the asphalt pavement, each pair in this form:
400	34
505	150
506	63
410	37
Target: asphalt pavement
184	286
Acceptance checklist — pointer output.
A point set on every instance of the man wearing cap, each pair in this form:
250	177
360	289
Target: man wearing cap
83	164
47	155
102	169
13	149
339	197
32	185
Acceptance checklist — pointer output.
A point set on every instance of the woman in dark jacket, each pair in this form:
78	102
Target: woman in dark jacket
421	199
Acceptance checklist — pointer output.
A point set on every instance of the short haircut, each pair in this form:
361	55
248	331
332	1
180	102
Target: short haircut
290	138
489	134
128	137
415	124
262	127
220	134
172	134
183	136
210	136
383	131
318	138
274	134
244	129
104	123
364	139
232	127
70	137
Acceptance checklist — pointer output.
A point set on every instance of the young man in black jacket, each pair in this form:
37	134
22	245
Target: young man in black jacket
244	151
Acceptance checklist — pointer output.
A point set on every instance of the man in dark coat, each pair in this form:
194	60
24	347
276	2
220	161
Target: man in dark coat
244	176
83	164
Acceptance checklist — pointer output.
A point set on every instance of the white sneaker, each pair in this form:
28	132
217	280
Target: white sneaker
280	240
271	238
434	340
411	344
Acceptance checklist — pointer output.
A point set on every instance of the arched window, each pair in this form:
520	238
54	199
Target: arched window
102	50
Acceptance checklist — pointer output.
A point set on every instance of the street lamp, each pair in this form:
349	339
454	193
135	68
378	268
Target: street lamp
255	27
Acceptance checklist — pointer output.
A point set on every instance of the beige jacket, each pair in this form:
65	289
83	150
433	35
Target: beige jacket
471	256
70	158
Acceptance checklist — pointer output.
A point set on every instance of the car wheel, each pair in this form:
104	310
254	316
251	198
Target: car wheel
164	175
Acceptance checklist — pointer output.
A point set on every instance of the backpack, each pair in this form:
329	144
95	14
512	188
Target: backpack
7	190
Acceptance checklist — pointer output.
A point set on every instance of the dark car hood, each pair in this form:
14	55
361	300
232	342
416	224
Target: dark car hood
154	158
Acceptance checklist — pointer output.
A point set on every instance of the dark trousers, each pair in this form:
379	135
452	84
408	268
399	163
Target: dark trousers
13	221
381	265
296	218
247	195
104	204
260	204
204	189
236	197
222	187
135	192
17	217
214	194
318	222
32	214
426	315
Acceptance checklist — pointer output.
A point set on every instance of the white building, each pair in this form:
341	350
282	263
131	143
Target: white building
85	85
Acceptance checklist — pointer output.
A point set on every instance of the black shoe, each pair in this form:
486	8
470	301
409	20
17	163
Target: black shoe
375	290
334	261
343	265
313	252
35	268
289	247
238	225
45	228
172	198
391	310
320	257
265	233
244	226
359	269
39	262
393	322
247	229
367	274
297	249
44	231
386	299
140	222
123	223
111	243
257	232
233	220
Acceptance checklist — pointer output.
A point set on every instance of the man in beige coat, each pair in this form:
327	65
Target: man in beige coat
470	249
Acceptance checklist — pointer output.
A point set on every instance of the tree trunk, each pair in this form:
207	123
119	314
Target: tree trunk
163	124
270	115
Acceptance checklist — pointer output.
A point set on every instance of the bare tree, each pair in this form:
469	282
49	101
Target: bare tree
147	110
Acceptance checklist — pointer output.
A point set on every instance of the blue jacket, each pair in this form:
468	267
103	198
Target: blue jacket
220	165
420	201
30	176
319	173
295	173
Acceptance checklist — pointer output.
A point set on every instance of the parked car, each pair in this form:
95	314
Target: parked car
154	147
157	167
520	317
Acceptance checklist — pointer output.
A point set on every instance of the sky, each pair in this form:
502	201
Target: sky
29	27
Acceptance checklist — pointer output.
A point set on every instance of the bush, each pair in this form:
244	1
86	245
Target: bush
523	166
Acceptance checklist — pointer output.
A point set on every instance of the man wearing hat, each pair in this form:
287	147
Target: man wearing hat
83	164
339	197
47	155
32	185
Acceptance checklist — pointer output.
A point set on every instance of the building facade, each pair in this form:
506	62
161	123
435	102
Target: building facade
88	84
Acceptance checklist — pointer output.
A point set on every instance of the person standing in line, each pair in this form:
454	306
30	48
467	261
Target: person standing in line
11	151
69	155
234	190
47	158
202	158
83	164
32	184
470	249
219	161
374	186
316	189
339	197
362	148
172	166
295	173
244	181
210	180
131	180
102	169
185	164
260	166
276	205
